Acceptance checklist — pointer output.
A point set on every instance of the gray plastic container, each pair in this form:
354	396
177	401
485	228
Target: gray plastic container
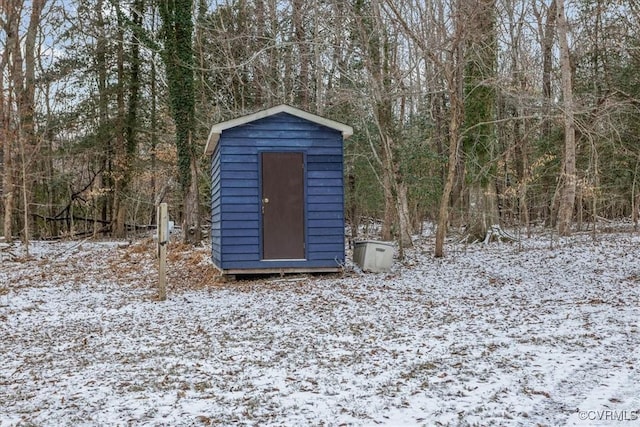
372	255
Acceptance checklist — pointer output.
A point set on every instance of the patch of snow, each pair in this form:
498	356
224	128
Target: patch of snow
496	334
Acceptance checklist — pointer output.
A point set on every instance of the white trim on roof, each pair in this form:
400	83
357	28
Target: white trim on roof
216	130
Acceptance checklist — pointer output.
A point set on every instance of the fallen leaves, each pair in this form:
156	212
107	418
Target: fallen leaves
483	338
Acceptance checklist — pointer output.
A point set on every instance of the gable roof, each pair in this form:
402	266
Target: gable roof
216	130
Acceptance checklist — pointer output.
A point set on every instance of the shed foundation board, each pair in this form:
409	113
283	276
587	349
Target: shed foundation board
288	270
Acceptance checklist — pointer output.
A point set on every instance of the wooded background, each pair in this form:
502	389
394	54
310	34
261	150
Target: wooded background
467	113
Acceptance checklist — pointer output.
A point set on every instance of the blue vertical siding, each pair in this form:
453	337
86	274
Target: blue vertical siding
236	217
216	209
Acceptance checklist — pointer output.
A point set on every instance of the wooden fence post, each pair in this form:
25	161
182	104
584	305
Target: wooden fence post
163	239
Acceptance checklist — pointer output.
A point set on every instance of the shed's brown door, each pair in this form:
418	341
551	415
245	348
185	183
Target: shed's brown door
282	206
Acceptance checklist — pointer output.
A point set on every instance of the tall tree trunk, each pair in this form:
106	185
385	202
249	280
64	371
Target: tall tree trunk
405	225
105	160
179	59
6	139
389	215
522	168
456	114
318	72
547	49
192	230
304	58
397	222
520	145
22	76
6	142
154	129
29	145
546	31
127	123
453	67
121	166
276	87
132	125
378	46
479	115
568	178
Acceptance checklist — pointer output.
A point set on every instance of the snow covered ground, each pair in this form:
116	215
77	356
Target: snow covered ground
492	335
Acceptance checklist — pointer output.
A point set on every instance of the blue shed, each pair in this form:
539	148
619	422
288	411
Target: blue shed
277	196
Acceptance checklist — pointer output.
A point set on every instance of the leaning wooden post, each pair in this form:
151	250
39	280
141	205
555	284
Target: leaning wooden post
163	239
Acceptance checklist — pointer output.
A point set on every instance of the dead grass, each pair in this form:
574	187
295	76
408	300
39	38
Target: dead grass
188	267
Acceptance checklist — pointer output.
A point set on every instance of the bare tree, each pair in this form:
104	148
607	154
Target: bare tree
454	71
5	140
439	36
303	88
380	50
568	177
515	107
21	61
